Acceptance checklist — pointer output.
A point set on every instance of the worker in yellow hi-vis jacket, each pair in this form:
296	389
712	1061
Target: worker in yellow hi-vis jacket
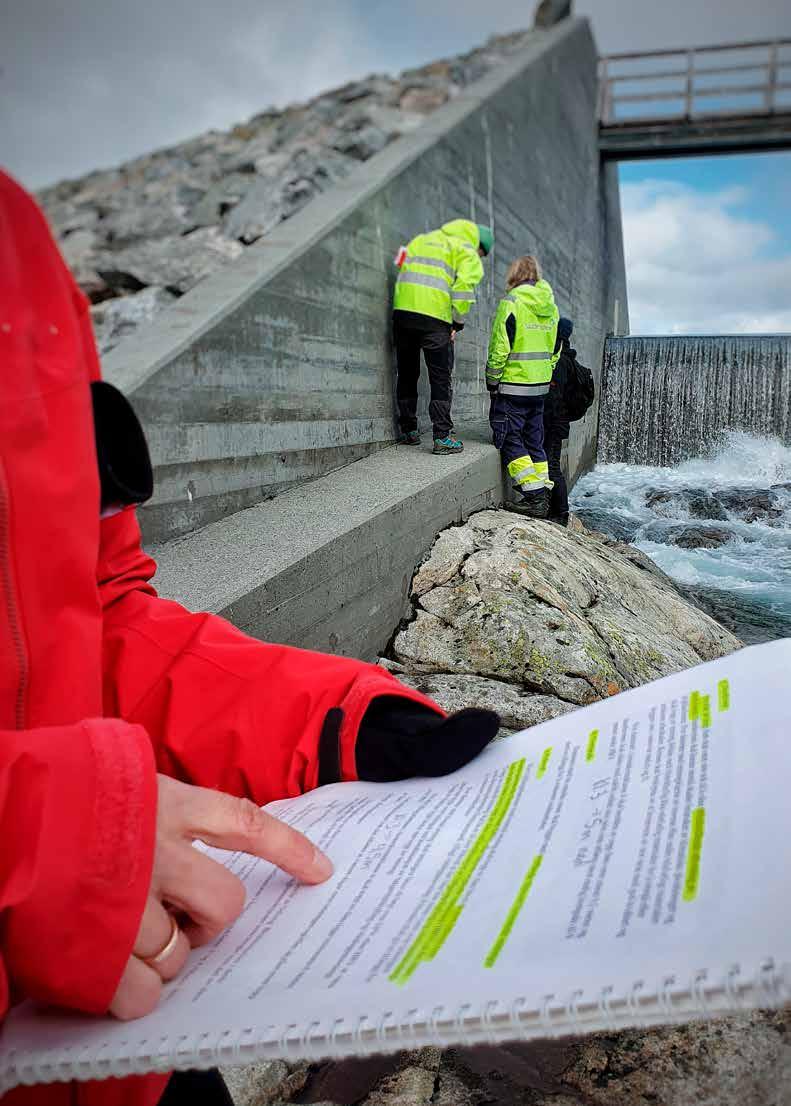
519	368
434	292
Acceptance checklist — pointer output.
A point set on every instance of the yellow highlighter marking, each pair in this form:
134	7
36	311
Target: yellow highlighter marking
590	751
697	826
513	913
723	695
544	762
694	706
443	917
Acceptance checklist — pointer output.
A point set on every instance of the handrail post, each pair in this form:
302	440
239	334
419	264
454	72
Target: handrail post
603	90
690	82
771	87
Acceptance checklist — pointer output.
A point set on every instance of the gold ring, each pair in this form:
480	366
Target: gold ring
169	945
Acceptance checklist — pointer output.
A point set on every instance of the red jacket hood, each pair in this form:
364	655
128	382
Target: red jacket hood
49	474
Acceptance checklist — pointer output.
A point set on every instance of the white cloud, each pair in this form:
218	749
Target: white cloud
696	265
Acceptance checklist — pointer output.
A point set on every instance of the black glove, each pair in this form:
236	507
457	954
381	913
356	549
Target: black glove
399	738
125	471
493	388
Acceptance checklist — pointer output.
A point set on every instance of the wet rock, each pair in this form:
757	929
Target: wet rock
622	528
749	504
663	502
697	537
705	505
751	621
114	319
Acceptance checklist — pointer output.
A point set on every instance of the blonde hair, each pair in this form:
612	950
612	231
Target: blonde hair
523	271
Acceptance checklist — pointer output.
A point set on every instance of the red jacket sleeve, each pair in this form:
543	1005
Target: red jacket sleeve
223	709
78	805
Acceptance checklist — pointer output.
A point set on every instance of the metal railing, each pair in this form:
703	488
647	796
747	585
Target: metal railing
754	80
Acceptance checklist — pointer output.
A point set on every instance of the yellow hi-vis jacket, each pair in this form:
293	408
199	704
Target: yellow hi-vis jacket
524	367
440	272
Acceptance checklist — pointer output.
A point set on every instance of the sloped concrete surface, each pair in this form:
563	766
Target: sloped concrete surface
328	565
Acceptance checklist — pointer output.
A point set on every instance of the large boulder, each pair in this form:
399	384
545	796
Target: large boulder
176	263
551	611
115	318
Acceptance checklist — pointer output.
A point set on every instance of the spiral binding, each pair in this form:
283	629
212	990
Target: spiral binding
671	1000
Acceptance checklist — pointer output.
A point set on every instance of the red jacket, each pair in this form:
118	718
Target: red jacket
101	682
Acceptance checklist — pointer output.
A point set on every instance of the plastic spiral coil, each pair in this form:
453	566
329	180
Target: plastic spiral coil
467	1024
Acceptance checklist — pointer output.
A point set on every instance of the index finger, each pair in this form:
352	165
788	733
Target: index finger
230	823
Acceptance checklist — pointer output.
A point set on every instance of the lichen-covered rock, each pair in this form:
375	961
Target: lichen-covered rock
518	709
549	610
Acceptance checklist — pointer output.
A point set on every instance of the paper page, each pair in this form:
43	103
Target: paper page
642	837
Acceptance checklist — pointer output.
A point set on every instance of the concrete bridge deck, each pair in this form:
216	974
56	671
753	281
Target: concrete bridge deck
723	99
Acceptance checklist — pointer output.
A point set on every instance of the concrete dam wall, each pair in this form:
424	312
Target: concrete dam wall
267	391
278	369
668	399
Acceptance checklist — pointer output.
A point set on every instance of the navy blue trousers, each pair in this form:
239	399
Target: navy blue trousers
517	424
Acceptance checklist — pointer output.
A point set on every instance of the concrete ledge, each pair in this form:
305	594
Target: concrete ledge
328	565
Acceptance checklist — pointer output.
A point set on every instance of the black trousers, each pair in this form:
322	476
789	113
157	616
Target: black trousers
437	349
559	496
196	1088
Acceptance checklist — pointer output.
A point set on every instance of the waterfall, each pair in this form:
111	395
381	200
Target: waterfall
665	400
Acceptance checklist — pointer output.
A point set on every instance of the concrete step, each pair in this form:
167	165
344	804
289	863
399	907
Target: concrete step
328	565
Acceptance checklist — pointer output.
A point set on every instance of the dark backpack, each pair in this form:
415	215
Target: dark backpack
579	390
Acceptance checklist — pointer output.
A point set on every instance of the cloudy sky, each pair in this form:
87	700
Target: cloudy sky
89	83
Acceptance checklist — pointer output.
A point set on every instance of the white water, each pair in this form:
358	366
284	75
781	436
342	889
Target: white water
752	569
665	399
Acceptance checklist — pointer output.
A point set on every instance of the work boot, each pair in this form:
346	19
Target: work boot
531	505
559	520
447	445
410	437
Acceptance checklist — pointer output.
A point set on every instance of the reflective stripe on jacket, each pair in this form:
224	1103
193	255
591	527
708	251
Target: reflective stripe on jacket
441	272
524	366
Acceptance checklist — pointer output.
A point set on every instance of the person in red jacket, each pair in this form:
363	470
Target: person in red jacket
130	727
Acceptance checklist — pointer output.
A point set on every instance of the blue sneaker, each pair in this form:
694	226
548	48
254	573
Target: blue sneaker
410	437
447	445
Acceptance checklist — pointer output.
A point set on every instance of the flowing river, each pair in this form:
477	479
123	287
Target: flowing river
719	525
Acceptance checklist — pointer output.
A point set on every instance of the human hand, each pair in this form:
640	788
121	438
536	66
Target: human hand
453	334
189	886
